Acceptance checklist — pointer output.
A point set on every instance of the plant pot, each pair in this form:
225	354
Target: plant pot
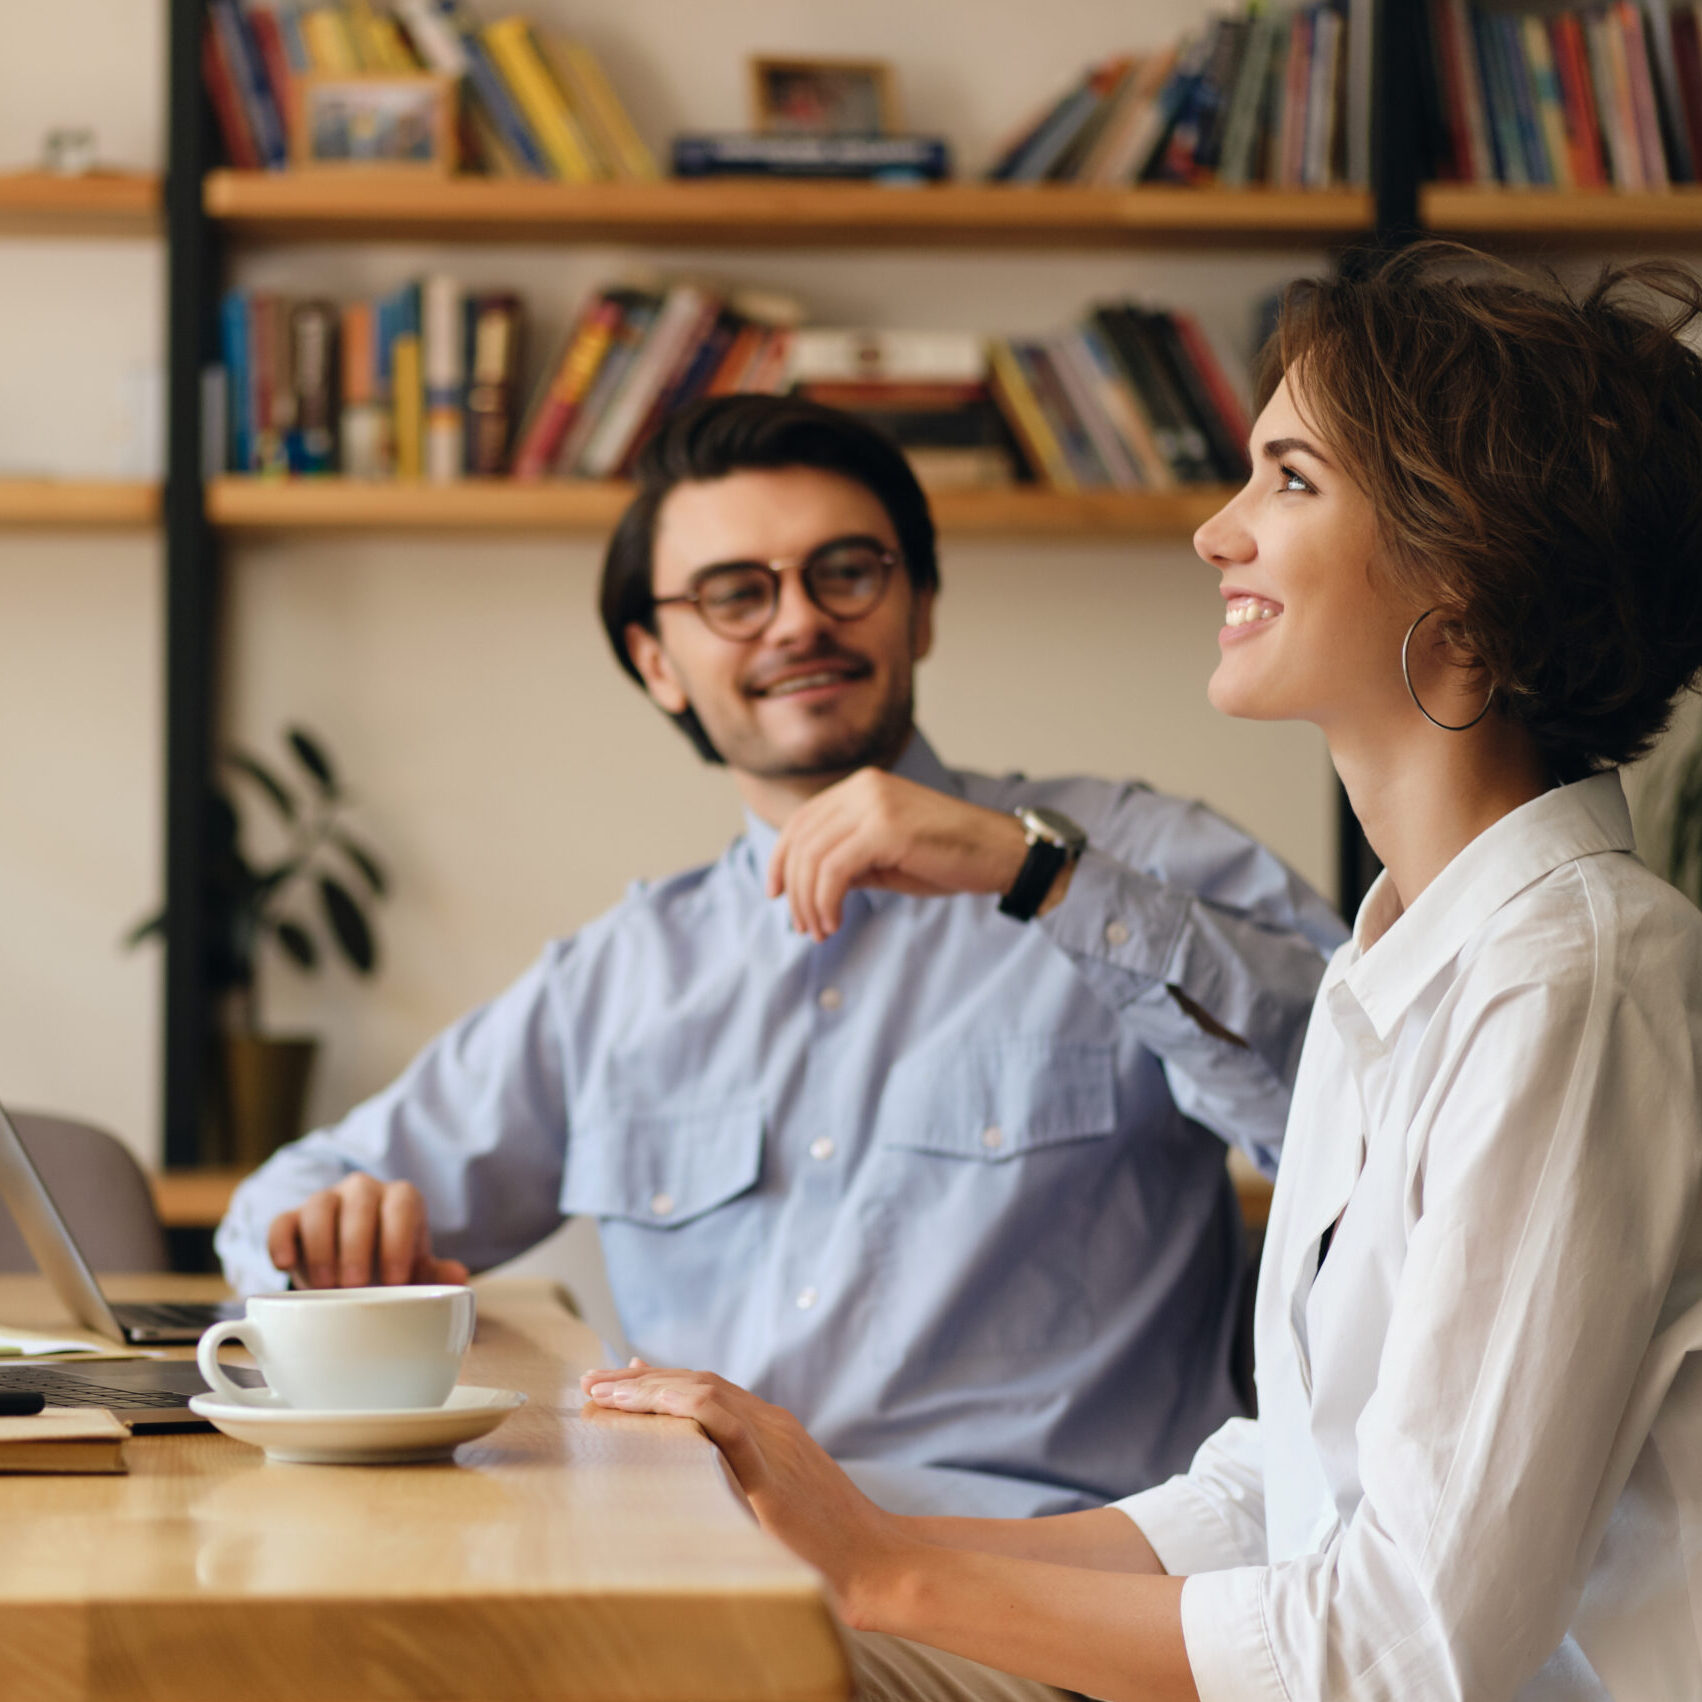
266	1081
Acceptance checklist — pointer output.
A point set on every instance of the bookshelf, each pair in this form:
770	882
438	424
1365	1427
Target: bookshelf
745	213
1573	218
102	204
237	504
78	504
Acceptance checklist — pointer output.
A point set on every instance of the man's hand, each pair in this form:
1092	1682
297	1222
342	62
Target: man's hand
874	829
796	1491
360	1232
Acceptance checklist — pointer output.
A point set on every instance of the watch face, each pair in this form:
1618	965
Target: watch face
1055	828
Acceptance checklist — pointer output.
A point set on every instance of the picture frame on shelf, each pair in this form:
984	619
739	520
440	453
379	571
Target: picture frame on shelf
823	97
398	121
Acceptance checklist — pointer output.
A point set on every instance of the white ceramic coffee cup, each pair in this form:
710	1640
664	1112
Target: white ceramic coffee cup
347	1349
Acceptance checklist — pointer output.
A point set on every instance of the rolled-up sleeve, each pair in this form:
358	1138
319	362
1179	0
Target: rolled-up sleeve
478	1122
1171	899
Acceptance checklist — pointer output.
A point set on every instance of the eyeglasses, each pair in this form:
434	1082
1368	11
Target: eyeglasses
845	578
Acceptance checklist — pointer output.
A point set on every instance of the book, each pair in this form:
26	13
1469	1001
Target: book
912	158
1687	59
326	33
515	55
494	322
685	314
599	110
311	446
825	355
564	394
1011	389
638	312
241	58
63	1439
1072	368
1551	109
268	38
222	96
1047	148
1644	106
442	352
1126	410
1683	164
234	344
364	436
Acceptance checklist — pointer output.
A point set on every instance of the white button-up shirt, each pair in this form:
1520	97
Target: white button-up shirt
1477	1467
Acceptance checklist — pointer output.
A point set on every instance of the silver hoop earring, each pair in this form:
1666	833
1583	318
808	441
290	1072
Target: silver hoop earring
1407	676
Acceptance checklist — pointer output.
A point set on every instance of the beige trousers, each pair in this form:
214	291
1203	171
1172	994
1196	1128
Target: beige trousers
889	1669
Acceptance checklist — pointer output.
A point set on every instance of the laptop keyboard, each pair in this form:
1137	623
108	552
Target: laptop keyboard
82	1390
163	1315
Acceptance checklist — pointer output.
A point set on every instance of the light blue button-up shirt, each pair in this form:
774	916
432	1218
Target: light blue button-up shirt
951	1187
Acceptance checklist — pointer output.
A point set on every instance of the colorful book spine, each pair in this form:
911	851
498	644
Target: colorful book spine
311	445
242	59
494	323
516	58
234	341
567	390
365	436
228	114
442	351
488	88
1021	407
600	111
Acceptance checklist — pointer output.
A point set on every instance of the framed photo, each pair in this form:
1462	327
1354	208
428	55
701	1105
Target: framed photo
400	120
823	97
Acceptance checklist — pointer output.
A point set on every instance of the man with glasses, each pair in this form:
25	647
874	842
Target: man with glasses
910	1111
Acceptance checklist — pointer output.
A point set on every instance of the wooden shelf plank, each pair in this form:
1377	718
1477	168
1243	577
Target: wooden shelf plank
1573	217
37	203
77	504
502	505
754	212
193	1199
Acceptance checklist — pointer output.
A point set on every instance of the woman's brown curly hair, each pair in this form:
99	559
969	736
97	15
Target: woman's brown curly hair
1535	461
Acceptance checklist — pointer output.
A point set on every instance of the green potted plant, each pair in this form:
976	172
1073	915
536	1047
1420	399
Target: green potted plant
295	898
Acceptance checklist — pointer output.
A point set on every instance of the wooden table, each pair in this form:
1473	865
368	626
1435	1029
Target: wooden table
566	1556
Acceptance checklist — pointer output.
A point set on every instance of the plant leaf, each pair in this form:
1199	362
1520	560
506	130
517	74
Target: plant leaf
155	924
265	779
311	755
364	860
348	925
296	940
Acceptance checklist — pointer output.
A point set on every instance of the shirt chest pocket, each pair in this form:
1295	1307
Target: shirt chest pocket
995	1102
662	1166
996	1171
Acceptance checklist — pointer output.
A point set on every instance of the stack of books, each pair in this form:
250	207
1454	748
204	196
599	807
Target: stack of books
531	106
1609	96
929	391
1268	97
1130	399
421	383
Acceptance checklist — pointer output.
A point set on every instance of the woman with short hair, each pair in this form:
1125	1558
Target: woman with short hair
1470	551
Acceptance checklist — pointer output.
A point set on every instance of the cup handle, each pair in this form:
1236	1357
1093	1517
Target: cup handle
207	1358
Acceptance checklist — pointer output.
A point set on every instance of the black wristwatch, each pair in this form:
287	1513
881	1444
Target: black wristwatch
1054	841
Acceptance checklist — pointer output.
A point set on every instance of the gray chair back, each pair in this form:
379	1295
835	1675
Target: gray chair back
100	1191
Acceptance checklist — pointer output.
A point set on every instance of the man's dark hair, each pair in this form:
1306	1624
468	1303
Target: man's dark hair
734	434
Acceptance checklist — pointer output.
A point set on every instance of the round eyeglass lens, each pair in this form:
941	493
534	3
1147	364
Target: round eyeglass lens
737	601
847	580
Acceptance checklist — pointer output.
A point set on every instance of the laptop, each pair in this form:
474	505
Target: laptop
148	1394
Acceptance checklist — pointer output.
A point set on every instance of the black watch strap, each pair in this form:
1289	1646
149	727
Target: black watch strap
1053	841
1034	880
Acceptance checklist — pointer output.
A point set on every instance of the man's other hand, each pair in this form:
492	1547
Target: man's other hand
361	1232
875	829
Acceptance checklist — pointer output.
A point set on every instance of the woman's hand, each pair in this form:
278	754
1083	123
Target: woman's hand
798	1494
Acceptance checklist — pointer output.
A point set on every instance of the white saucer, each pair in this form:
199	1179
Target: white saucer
389	1437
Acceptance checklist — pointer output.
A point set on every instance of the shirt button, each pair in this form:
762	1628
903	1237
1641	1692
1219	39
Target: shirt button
821	1147
1116	934
806	1300
830	998
992	1137
661	1204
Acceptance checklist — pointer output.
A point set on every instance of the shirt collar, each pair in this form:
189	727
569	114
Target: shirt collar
1581	820
918	762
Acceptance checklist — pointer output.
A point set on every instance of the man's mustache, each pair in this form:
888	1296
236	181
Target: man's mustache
821	653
